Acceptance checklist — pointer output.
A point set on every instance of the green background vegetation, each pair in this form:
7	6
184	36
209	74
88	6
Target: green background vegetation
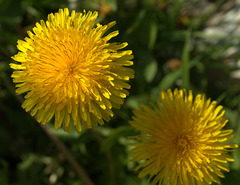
170	51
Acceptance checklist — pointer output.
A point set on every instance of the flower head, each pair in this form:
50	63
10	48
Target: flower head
70	71
184	139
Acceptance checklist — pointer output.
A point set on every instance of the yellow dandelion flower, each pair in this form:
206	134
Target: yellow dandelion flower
183	144
70	71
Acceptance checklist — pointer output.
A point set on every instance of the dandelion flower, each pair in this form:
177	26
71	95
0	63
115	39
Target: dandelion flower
68	70
183	144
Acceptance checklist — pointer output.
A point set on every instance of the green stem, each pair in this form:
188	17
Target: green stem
185	62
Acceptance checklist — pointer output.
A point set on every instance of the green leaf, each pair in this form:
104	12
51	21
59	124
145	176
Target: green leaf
113	4
171	77
137	22
173	14
151	70
236	156
27	161
119	132
153	32
221	98
133	102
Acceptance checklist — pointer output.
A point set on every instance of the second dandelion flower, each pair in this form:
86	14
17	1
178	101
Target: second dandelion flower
183	141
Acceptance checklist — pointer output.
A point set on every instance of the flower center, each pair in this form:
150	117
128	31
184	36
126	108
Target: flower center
182	143
71	69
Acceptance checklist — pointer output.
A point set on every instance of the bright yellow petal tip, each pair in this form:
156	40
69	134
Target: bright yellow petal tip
183	144
70	71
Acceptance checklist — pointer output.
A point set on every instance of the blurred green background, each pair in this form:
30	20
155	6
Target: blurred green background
172	48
